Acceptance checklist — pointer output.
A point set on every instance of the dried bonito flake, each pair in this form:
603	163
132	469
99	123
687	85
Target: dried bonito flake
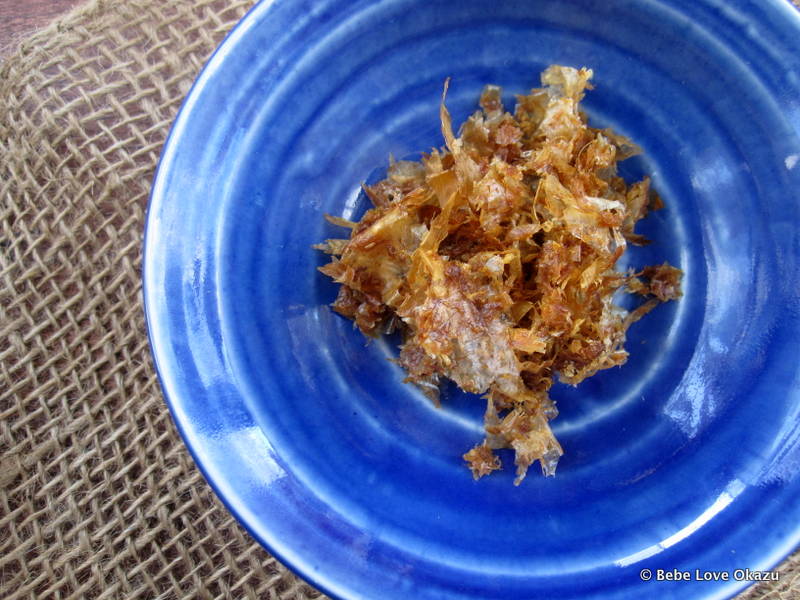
495	256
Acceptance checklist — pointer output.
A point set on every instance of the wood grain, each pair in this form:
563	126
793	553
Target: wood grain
20	17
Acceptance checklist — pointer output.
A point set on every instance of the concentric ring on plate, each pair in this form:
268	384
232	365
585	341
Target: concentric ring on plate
686	457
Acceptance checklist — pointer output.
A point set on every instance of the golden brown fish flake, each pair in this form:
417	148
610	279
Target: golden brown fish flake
495	256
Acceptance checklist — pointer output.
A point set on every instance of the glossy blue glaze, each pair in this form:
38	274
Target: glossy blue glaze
685	458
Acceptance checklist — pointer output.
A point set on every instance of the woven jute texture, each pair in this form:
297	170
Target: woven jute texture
98	497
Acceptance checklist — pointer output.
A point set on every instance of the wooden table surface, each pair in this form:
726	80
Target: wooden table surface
18	18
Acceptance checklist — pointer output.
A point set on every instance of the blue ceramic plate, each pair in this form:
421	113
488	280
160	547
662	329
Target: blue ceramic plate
684	459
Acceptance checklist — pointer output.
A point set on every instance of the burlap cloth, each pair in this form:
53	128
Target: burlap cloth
98	497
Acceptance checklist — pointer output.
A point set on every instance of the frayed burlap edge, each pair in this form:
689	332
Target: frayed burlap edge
98	497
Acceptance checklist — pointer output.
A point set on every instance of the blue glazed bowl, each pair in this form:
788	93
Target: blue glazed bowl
684	459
